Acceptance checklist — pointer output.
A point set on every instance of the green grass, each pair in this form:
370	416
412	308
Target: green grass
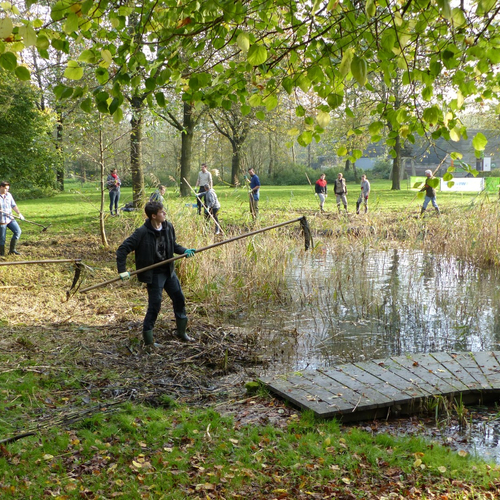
77	209
88	447
135	451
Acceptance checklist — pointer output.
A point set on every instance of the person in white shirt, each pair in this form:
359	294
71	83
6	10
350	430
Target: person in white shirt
7	220
204	177
365	192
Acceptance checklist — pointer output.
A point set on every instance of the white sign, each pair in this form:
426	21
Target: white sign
487	164
471	184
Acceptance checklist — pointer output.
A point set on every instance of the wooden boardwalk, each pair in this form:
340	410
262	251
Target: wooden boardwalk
398	385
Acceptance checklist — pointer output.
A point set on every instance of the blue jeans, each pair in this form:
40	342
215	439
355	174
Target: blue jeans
171	284
431	199
114	197
14	227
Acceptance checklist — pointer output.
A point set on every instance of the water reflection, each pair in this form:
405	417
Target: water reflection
368	305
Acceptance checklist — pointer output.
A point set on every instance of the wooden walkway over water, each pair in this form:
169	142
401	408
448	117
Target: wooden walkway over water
398	385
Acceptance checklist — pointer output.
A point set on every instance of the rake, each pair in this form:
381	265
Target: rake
303	224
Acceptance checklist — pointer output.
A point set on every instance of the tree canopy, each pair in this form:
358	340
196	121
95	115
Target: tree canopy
27	154
246	52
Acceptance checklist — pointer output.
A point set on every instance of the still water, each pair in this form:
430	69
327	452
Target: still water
369	305
372	305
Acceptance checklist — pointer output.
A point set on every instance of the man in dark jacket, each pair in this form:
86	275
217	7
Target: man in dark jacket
155	242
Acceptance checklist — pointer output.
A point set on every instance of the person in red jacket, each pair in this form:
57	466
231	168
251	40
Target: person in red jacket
321	190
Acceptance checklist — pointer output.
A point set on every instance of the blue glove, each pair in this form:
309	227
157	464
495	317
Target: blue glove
190	252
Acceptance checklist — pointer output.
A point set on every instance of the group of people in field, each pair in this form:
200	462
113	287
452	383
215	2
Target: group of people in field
154	243
340	190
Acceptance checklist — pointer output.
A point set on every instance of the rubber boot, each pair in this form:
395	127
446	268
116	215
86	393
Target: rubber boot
13	248
357	207
181	330
2	250
148	337
422	211
438	212
366	209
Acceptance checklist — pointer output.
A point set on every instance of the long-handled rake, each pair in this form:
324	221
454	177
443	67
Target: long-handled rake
303	224
28	221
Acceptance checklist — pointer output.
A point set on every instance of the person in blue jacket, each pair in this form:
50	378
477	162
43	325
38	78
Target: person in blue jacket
254	193
155	242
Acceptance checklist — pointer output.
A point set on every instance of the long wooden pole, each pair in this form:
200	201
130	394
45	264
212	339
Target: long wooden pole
198	250
52	261
204	206
435	170
25	220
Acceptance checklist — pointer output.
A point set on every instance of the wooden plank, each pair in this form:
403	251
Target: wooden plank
388	394
356	391
343	397
395	379
368	398
489	365
451	364
300	397
403	372
436	368
470	364
440	386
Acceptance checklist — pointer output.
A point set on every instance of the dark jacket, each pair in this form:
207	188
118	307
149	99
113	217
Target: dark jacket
321	187
429	190
143	242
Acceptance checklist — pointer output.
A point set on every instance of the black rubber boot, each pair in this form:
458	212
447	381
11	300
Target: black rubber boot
12	249
148	337
181	330
2	250
422	211
357	207
438	212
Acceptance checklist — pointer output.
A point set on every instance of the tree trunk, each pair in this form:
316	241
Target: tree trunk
136	153
396	166
60	163
347	165
102	227
187	147
271	156
235	162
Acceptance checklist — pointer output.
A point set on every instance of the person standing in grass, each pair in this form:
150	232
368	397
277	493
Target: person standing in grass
254	193
321	190
158	194
341	191
363	196
7	220
155	242
204	178
212	205
113	182
430	192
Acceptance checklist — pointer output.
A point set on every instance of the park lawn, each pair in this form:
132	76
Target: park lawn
88	445
76	210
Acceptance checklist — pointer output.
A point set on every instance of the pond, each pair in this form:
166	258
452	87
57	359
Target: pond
359	304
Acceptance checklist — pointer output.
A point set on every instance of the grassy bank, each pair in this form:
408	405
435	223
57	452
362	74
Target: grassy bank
110	422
